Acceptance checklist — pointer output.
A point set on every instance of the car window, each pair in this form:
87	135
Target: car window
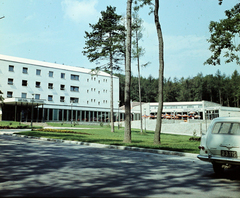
235	129
226	128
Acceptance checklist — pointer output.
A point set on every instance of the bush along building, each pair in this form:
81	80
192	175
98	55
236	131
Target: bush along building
54	92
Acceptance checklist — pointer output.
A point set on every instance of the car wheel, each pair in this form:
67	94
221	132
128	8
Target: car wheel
218	169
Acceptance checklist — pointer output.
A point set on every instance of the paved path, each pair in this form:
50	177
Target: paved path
40	168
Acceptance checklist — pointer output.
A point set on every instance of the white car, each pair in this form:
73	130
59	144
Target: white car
221	144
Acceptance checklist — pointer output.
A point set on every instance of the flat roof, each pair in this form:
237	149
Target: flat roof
177	103
51	65
184	103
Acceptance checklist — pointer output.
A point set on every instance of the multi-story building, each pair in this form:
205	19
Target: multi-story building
54	92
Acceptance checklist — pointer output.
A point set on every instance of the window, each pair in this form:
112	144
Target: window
24	82
74	100
24	95
88	80
227	128
11	68
50	98
63	75
9	94
38	72
98	81
98	92
50	85
10	81
62	98
62	87
37	96
25	70
74	88
51	74
74	77
38	84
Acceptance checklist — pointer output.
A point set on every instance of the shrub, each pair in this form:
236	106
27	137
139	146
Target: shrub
60	131
195	139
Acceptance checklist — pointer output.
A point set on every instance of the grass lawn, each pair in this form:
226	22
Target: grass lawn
11	124
103	135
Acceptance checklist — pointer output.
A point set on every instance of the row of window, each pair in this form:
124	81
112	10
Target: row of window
50	86
50	74
50	98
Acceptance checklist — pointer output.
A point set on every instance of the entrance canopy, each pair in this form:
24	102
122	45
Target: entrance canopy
23	101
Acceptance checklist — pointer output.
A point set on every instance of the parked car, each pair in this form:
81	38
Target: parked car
221	144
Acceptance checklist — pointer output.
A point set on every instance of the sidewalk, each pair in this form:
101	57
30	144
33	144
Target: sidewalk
13	132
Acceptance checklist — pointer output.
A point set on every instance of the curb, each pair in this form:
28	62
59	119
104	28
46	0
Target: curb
156	151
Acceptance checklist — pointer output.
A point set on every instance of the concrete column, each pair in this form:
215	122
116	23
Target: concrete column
15	117
0	112
37	113
43	113
47	114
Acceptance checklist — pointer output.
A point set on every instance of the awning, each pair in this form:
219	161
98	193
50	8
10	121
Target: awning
23	101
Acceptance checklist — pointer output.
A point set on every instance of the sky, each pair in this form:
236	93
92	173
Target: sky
53	31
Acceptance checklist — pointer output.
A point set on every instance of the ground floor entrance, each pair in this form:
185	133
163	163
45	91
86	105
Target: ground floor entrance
41	113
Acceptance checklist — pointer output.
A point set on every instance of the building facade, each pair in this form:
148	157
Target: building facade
54	92
204	110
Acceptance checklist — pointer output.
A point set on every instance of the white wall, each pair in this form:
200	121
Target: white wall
94	91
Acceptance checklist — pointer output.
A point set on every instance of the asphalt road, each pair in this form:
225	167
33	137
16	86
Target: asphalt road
37	168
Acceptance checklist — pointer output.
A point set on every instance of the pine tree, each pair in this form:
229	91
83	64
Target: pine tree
105	42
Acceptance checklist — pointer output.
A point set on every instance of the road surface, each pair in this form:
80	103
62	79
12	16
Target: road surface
37	168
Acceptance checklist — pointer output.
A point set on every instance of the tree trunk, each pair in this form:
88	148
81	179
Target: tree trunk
127	133
161	69
139	85
111	105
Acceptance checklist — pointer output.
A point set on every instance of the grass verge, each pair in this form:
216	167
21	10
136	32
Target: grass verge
103	135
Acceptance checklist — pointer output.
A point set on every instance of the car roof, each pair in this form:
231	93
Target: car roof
227	119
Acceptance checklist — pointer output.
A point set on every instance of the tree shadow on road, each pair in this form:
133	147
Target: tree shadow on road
46	169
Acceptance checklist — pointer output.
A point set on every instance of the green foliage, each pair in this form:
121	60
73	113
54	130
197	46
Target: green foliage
217	88
12	125
1	98
106	39
223	37
104	136
60	131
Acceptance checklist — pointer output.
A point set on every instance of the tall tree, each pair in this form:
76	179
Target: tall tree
223	37
235	84
157	139
137	52
1	98
155	10
127	132
104	42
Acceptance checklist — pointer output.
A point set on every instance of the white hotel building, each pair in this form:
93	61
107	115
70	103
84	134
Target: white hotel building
55	92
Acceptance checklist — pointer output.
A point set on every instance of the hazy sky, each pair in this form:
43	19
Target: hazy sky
53	31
